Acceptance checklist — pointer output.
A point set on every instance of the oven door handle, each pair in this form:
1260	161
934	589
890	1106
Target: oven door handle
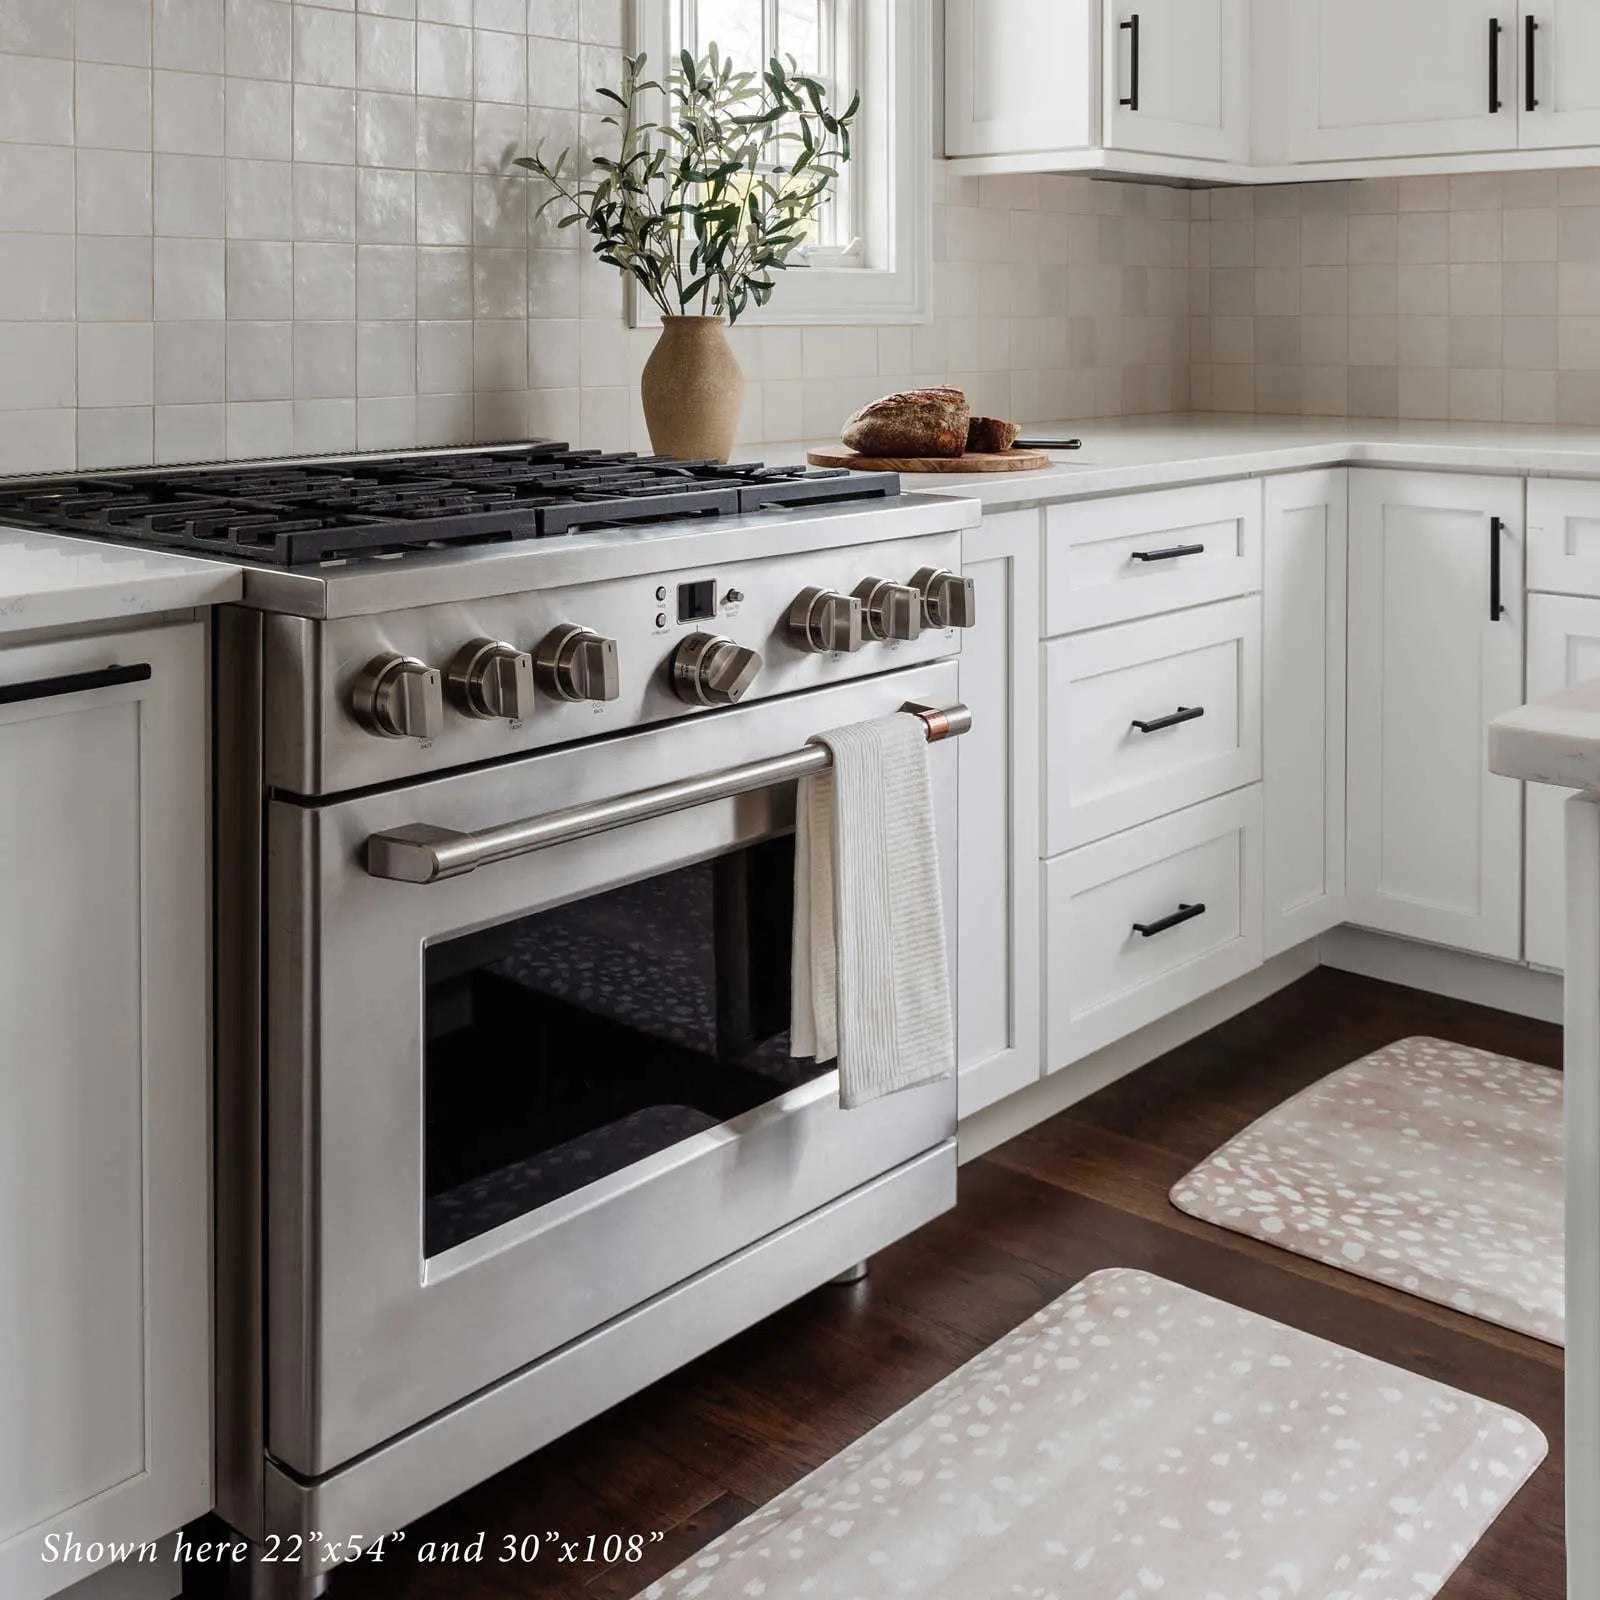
419	852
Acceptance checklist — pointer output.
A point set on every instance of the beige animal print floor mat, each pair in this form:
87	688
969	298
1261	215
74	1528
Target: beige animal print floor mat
1429	1166
1137	1440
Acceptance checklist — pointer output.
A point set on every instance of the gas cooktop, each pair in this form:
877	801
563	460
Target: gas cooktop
295	515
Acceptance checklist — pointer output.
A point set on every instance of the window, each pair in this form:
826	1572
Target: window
821	37
870	257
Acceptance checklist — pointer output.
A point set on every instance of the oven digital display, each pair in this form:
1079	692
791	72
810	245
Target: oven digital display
697	602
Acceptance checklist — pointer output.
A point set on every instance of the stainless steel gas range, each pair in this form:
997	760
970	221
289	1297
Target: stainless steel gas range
507	1124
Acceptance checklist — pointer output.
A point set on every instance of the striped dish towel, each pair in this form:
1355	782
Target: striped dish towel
871	977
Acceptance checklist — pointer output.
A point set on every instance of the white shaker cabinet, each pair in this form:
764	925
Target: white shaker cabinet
105	1323
1372	78
1075	78
997	957
1177	78
1563	650
1303	705
1558	97
1020	75
1435	652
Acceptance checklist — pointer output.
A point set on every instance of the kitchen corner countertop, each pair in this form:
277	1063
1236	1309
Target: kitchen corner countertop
51	582
1122	454
1554	740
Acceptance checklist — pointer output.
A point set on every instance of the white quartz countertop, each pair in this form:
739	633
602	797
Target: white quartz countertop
1554	740
48	581
51	582
1130	453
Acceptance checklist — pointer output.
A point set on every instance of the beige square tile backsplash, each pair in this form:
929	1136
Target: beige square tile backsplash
1473	298
255	227
258	227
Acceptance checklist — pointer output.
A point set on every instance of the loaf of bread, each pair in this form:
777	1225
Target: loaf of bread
920	422
990	436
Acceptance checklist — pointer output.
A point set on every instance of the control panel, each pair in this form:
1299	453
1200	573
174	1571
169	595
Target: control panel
446	684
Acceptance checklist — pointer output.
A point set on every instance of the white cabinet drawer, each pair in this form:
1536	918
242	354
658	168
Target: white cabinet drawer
1103	977
1150	717
1134	555
1563	536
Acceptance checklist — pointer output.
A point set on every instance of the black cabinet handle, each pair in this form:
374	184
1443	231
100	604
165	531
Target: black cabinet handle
72	683
1182	714
1495	102
1530	29
1170	555
1131	28
1148	930
1496	528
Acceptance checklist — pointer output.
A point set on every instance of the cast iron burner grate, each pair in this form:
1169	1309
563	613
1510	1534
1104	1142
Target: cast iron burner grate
294	515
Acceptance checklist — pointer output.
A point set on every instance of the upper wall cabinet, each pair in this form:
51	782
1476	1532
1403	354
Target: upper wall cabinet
1221	92
1559	103
1398	77
1132	85
1020	75
1406	78
1176	78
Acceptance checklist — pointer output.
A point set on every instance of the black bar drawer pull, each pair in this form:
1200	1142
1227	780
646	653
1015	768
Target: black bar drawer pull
1530	72
1495	102
72	683
1170	555
1131	28
1182	714
1148	930
1496	528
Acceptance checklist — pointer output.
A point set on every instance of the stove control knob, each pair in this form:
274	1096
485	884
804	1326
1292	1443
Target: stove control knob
399	697
708	670
889	610
948	601
490	679
575	663
822	620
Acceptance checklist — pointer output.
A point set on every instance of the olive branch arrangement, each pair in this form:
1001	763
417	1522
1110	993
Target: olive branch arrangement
702	209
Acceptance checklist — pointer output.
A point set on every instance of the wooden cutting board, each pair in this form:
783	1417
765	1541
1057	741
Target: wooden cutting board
1010	461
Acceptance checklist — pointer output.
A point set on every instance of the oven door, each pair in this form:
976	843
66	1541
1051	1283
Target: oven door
506	1107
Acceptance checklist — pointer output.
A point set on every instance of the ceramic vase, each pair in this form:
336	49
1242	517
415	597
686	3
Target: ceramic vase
692	390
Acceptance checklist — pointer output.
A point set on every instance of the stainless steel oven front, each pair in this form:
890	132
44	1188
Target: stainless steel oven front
508	1106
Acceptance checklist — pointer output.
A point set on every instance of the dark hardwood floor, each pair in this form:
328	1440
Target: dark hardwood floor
693	1454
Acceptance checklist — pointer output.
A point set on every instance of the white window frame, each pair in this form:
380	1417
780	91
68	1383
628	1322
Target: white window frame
893	179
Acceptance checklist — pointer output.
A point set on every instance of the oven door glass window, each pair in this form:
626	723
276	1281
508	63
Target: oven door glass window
569	1044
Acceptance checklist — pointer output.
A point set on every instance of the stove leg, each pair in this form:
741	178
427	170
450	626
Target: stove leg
853	1274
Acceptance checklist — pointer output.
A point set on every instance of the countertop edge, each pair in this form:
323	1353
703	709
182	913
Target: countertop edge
48	582
1066	482
1554	740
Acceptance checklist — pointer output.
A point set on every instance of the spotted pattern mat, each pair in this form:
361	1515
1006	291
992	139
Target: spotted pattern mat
1429	1166
1133	1440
